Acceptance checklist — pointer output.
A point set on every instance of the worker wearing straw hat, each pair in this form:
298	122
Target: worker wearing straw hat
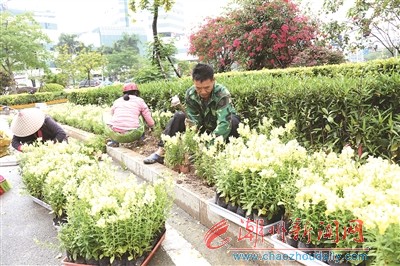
30	124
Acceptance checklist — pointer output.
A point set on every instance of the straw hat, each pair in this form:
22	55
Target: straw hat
27	122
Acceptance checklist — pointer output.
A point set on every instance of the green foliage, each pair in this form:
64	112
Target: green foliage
86	61
179	147
96	144
147	73
338	105
51	87
70	43
384	251
99	96
31	98
367	23
52	78
21	43
158	53
5	81
123	56
161	120
68	65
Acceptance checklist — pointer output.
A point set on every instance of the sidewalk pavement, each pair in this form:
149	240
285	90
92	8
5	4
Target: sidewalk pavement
28	237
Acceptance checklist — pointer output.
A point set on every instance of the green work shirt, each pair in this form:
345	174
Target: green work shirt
213	116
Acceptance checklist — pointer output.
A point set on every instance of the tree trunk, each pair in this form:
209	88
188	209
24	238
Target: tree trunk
156	43
172	64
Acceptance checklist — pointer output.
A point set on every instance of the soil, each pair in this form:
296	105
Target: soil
150	144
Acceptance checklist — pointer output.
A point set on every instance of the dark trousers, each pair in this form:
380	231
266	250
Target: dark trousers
177	124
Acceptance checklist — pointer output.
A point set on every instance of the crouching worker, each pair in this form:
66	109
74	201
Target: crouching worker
208	106
127	114
31	124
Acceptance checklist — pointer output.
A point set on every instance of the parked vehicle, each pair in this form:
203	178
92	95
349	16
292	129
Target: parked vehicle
85	83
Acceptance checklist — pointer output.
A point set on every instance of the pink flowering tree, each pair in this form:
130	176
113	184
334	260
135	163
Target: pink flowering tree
259	34
214	44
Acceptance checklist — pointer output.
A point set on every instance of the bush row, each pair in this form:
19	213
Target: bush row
26	98
347	109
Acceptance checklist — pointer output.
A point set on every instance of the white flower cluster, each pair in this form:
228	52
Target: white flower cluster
369	191
86	117
67	175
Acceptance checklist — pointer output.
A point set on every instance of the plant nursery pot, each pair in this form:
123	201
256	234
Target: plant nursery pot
291	242
220	201
240	211
231	207
335	263
153	251
257	218
184	169
41	203
305	246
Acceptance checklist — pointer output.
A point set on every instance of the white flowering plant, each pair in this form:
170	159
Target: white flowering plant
361	197
115	220
206	156
85	117
179	147
258	169
51	171
161	119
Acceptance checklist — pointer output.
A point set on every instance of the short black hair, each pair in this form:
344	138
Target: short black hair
202	72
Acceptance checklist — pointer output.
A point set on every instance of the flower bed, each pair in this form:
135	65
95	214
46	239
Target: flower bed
266	170
108	219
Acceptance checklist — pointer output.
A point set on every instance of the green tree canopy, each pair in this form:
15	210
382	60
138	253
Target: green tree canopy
71	43
153	7
87	61
122	56
367	24
22	43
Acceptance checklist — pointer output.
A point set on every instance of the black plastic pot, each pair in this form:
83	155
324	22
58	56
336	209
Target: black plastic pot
220	201
240	211
231	207
257	219
302	245
336	263
290	241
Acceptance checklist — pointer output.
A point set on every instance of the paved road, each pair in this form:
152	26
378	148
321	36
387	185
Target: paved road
27	233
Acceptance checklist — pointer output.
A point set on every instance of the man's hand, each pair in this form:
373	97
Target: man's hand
175	101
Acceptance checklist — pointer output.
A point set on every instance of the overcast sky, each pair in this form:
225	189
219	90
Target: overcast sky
83	15
78	15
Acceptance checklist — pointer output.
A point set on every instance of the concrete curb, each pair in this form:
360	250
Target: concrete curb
187	198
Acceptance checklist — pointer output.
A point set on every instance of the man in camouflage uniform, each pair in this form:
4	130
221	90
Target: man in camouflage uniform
208	107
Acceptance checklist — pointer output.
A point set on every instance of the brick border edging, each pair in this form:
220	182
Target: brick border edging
195	205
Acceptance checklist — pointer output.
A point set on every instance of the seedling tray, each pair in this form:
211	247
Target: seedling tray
242	221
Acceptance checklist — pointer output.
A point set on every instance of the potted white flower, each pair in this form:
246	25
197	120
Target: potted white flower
115	222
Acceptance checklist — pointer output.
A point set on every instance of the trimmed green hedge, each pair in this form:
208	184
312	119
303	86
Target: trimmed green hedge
26	98
52	87
349	104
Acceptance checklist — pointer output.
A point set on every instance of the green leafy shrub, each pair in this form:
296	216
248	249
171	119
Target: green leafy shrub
51	87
